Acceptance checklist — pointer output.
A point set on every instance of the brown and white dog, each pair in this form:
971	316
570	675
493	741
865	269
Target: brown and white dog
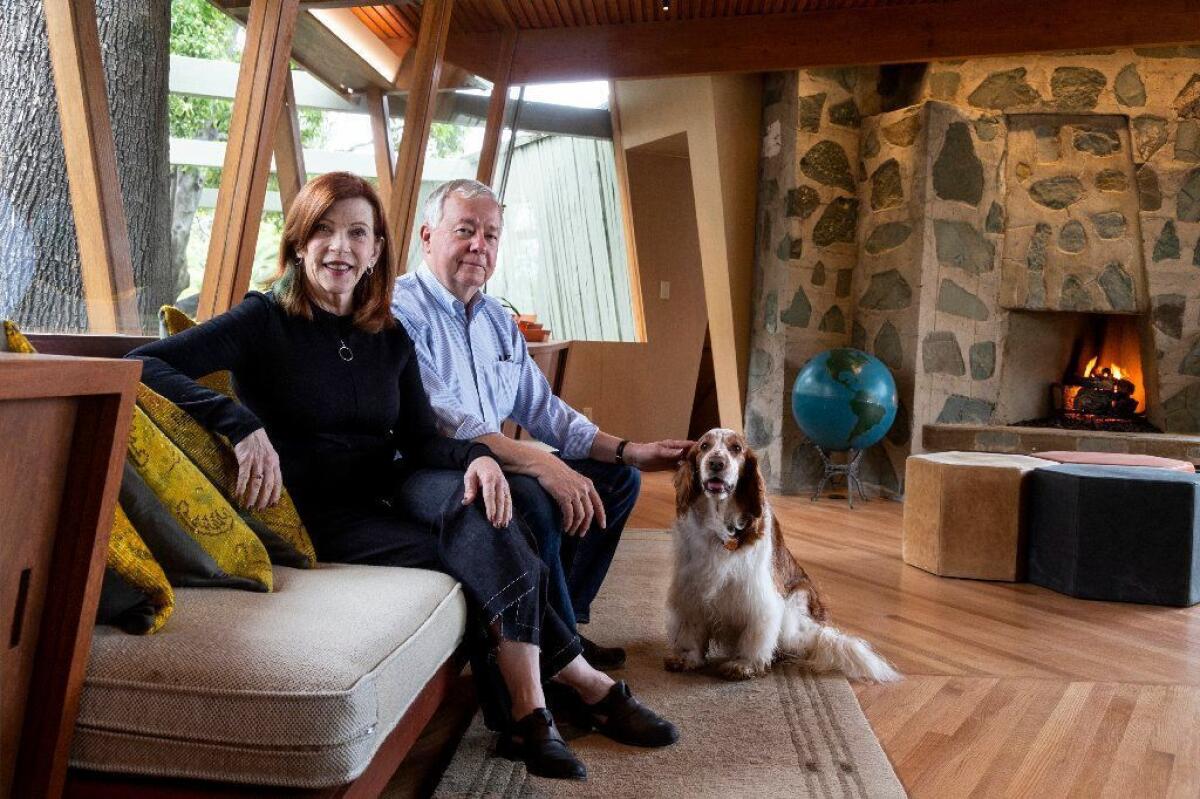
737	586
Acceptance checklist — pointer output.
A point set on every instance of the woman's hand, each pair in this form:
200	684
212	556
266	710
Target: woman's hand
484	476
259	482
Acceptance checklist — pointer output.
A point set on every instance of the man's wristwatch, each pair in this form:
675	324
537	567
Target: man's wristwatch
621	451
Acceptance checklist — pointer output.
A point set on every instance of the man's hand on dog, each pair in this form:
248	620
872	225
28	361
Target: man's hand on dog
656	456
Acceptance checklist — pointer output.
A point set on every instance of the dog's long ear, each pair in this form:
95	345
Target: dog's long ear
751	489
687	482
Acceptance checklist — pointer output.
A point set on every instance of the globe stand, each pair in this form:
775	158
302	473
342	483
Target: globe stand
848	470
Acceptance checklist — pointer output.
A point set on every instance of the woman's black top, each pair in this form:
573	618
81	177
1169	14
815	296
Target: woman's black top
342	428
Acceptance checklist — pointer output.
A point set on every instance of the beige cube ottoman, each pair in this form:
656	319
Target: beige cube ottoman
963	514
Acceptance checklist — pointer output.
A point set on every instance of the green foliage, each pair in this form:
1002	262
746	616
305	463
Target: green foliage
445	139
313	127
200	30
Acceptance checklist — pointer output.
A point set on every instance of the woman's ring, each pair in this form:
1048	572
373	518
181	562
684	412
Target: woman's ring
256	477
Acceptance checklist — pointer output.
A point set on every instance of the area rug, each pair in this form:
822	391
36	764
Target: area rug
790	734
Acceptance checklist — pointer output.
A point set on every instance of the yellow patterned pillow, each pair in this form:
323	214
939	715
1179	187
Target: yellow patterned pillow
130	558
200	509
128	555
171	320
279	527
15	341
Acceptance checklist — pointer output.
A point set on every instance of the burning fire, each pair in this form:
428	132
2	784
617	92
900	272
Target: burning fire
1114	371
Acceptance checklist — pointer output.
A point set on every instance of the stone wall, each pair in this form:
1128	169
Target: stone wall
887	282
963	222
807	247
968	207
1073	237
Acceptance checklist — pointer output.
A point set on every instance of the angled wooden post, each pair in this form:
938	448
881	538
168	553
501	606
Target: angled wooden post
431	44
289	152
377	109
100	225
260	92
496	106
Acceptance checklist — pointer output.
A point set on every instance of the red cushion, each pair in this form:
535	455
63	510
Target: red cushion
1117	459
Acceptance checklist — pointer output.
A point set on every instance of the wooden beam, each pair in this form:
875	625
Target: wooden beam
623	196
100	225
495	115
453	77
477	53
431	45
260	93
878	35
377	109
289	152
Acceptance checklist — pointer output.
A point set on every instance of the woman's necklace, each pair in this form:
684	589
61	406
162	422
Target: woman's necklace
344	351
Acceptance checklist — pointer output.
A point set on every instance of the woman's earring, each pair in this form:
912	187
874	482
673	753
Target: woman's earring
370	270
299	262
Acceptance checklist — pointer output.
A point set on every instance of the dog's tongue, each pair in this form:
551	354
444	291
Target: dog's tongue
715	485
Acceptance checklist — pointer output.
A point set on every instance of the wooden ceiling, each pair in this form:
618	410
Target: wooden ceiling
401	19
564	40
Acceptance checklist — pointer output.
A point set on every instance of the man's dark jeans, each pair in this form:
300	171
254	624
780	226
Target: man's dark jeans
583	561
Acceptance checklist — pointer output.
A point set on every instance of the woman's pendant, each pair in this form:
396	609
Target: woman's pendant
345	353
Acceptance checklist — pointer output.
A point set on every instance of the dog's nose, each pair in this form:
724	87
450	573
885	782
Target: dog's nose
717	466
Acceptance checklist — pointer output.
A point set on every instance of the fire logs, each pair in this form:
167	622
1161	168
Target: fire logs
1100	394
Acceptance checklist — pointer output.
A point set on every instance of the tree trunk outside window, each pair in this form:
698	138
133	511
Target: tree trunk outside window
41	287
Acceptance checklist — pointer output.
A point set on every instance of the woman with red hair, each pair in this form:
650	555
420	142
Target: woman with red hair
332	406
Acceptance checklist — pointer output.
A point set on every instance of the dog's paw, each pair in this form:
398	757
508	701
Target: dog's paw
738	669
683	661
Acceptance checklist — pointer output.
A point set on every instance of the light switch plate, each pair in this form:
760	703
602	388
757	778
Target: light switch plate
664	289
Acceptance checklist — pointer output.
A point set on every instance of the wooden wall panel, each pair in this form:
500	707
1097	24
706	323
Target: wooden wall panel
719	119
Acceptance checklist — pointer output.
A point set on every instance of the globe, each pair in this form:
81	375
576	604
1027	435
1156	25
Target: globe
844	399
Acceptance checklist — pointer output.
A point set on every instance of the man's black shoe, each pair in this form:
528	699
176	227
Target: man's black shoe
604	658
535	740
626	720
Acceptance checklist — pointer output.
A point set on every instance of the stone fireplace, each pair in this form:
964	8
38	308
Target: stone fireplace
981	226
1050	359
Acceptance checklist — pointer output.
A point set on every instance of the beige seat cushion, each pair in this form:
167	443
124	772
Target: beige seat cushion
295	688
964	513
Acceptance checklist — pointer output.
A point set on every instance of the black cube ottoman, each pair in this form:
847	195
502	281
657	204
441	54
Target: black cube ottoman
1119	533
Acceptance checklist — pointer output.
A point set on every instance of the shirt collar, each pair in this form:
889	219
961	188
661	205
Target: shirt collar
449	303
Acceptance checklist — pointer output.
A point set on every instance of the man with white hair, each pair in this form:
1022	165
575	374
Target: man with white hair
477	371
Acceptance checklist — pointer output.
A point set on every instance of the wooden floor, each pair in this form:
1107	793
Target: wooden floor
1009	690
